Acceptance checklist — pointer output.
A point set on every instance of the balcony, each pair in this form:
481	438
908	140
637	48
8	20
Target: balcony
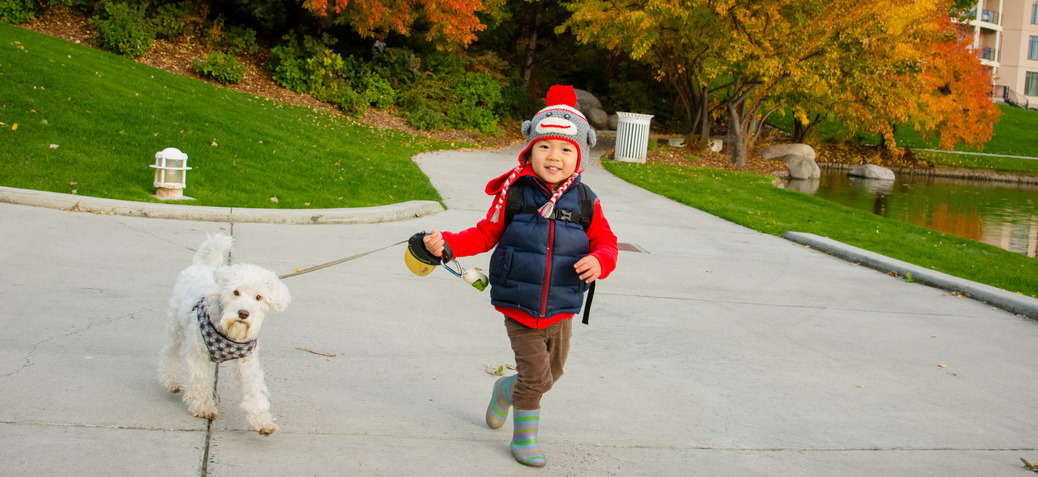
987	16
986	53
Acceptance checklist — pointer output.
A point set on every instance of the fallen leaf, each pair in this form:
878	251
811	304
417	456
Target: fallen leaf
14	126
274	199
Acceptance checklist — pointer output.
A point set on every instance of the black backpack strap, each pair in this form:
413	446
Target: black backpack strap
587	205
514	203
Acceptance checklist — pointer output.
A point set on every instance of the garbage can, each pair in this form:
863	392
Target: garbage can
632	136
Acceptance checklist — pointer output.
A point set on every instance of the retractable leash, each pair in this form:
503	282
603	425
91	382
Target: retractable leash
422	263
336	262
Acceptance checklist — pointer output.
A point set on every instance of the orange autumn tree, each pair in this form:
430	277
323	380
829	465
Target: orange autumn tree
749	53
876	67
450	23
955	104
907	66
865	62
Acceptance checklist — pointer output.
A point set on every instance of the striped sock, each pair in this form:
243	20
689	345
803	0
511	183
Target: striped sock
524	440
500	401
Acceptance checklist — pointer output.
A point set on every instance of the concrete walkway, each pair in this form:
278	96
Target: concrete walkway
713	350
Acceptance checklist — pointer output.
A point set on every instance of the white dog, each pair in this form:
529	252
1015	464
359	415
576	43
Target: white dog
236	298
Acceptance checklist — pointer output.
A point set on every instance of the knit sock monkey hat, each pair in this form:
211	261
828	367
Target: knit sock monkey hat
560	119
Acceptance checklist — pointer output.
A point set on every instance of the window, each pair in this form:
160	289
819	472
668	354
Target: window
1031	85
1032	49
1034	13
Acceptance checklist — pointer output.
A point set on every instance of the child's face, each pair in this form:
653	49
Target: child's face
554	160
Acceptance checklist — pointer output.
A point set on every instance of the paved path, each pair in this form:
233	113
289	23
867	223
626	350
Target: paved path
714	350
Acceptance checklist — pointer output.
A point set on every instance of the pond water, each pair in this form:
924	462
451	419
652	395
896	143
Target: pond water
997	213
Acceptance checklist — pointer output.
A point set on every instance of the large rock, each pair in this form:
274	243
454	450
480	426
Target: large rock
872	171
801	167
798	158
597	118
592	109
775	152
587	101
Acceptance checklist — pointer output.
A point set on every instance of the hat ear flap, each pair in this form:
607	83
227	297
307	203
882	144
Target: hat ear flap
527	128
592	138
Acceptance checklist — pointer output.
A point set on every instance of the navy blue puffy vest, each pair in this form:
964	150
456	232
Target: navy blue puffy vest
519	264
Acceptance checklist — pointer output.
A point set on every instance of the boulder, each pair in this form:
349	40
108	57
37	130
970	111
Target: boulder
775	152
798	158
614	119
586	101
872	171
597	118
801	167
592	109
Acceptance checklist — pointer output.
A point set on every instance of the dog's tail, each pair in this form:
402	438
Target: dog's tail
215	251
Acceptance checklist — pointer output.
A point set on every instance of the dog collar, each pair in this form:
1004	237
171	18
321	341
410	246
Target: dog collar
221	348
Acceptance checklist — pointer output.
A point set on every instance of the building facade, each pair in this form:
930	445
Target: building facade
1005	37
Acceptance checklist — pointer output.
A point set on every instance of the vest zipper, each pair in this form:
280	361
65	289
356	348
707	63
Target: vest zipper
547	269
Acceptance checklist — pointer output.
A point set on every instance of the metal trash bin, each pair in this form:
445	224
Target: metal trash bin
632	136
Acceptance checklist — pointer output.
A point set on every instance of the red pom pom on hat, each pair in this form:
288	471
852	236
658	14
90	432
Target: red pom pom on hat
561	94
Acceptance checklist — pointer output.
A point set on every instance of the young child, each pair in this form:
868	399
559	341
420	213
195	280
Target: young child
543	263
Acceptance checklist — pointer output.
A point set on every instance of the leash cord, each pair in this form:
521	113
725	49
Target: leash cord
341	260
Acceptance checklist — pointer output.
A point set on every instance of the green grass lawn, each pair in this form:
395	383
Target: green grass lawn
751	200
84	121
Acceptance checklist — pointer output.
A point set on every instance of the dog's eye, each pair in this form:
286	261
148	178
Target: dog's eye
236	293
259	297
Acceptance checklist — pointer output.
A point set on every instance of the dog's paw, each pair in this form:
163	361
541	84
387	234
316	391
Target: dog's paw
265	428
172	387
204	412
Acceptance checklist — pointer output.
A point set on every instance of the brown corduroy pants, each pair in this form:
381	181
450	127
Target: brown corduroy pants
539	358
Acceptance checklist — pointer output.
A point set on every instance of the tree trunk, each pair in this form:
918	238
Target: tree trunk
531	46
736	134
704	114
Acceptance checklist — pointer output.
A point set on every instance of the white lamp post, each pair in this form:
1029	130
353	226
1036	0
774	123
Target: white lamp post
170	173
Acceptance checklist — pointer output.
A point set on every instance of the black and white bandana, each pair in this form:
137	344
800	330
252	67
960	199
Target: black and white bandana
221	348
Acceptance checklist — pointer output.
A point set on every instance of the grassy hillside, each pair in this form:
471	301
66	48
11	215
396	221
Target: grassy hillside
79	120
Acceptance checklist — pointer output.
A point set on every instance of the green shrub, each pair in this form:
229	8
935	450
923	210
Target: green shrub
313	67
516	102
241	40
400	66
353	102
475	98
423	117
287	67
172	19
124	29
18	11
221	67
378	91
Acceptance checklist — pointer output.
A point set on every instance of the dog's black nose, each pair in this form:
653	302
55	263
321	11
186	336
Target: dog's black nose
243	314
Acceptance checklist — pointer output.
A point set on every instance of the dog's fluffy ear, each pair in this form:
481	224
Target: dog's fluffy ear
278	296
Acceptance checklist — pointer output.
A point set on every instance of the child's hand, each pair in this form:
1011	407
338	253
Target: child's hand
434	243
588	268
